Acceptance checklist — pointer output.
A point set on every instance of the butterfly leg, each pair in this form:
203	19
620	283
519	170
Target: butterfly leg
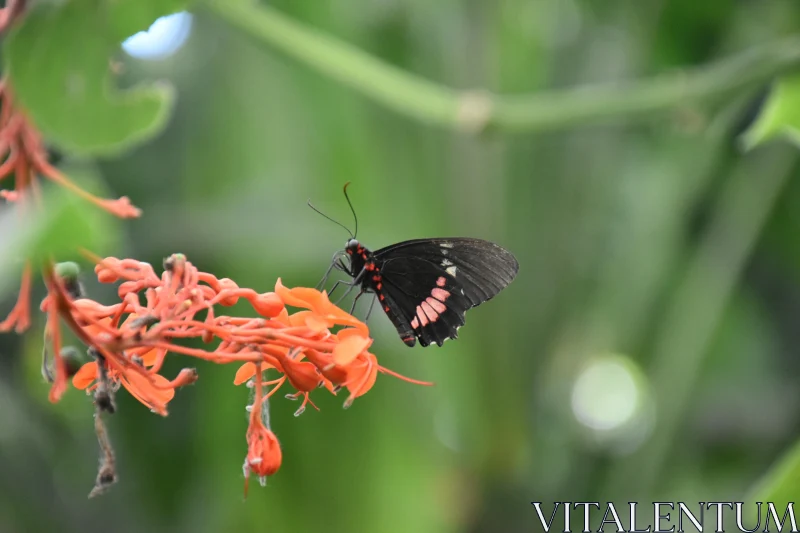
350	285
334	264
371	305
355	301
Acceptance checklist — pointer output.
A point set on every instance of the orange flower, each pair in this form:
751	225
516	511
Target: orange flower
263	449
361	376
88	372
263	452
319	303
302	375
153	390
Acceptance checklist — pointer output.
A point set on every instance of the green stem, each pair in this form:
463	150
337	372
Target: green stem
474	111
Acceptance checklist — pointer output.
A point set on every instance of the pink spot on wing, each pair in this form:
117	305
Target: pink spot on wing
430	311
436	304
440	294
441	281
423	318
415	323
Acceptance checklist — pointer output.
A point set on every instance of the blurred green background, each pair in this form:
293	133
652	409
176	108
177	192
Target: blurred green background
645	352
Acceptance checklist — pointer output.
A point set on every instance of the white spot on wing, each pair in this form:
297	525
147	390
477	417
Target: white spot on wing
452	271
447	263
446	245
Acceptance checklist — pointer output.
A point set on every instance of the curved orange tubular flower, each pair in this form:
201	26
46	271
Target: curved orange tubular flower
263	450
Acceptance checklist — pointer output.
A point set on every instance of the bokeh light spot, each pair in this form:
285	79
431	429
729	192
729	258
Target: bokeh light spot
605	395
164	37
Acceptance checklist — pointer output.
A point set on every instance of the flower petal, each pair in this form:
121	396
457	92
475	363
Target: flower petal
337	316
95	328
85	375
299	318
155	394
300	296
361	378
268	305
283	317
245	372
150	357
316	323
302	375
349	348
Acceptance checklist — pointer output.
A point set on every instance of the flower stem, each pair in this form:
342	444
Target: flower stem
475	111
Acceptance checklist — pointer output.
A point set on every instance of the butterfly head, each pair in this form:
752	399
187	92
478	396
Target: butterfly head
352	247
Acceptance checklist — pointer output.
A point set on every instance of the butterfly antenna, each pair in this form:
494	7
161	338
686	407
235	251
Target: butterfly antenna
332	220
351	207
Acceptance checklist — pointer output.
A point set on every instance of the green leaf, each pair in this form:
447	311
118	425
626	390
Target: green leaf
58	63
781	484
780	115
67	224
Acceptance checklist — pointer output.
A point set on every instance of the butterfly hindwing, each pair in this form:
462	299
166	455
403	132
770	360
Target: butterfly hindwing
425	299
429	284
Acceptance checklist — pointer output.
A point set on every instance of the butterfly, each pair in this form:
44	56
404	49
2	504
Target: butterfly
425	286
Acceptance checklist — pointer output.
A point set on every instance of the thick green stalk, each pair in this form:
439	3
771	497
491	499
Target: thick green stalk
474	111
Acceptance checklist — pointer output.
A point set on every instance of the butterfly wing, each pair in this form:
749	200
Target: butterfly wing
427	285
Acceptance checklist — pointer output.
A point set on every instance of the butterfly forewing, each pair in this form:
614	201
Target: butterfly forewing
427	285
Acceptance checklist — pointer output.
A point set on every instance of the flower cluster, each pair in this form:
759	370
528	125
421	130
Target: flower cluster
320	346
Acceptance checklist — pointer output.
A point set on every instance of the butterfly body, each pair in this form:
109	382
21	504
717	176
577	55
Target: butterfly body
425	286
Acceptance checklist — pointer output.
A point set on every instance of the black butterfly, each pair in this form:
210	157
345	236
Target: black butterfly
425	286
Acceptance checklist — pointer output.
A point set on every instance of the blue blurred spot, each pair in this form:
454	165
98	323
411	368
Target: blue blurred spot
163	39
